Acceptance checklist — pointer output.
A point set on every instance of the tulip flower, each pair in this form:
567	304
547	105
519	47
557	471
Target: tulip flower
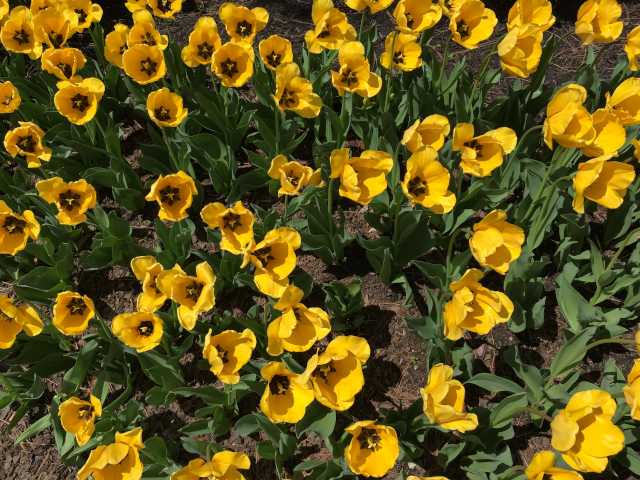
407	53
450	7
474	307
292	175
373	450
568	122
243	24
597	21
415	16
331	30
337	372
63	63
86	12
4	8
584	433
610	135
72	199
632	391
496	243
14	320
228	352
632	48
361	178
135	5
472	23
287	395
54	27
79	102
144	31
165	108
143	63
543	466
72	312
165	8
443	400
299	327
625	102
147	269
16	229
235	224
602	181
117	460
431	131
536	12
223	466
427	181
115	44
274	258
203	42
520	50
636	148
374	5
195	295
11	100
78	417
140	330
233	63
18	35
274	51
174	193
295	93
354	75
484	153
37	5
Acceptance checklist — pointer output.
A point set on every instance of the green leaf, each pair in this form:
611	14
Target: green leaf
570	354
266	450
74	377
210	394
34	429
503	414
494	383
317	418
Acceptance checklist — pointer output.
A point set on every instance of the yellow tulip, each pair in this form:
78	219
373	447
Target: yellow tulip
63	63
37	5
472	23
625	102
115	44
18	34
374	5
233	63
165	108
406	52
194	294
537	12
603	182
235	224
295	93
474	307
584	433
4	9
292	175
543	466
243	24
416	16
140	330
610	135
274	259
135	5
119	460
143	63
165	8
636	148
597	21
203	42
147	269
14	320
275	51
72	199
496	243
54	27
331	30
174	194
79	102
520	50
16	229
430	132
228	352
632	391
361	178
78	417
11	96
299	327
427	181
484	153
632	48
287	395
337	373
86	12
568	122
144	31
443	400
72	312
354	75
223	466
373	450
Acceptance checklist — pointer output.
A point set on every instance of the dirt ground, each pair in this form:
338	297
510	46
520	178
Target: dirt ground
396	370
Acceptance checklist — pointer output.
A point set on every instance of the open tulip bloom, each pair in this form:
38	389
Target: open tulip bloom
26	141
228	352
72	199
147	269
484	153
355	74
72	312
15	319
11	96
78	417
16	229
235	224
140	330
224	466
535	12
331	30
287	395
416	16
495	242
373	449
144	32
432	131
117	460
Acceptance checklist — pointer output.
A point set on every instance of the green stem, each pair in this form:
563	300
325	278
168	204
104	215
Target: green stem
166	21
483	70
208	453
286	208
520	143
277	119
364	11
6	382
444	60
396	219
95	219
506	474
103	323
440	318
44	174
459	184
176	165
618	395
343	118
450	250
91	134
546	201
535	412
388	94
331	225
120	400
619	252
542	184
166	346
604	49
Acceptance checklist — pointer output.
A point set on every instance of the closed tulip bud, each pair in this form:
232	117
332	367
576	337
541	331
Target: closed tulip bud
472	23
331	30
78	417
543	466
625	102
610	135
117	460
165	108
223	466
228	352
54	27
537	12
140	330
584	433
274	51
293	176
135	5
520	50
432	132
295	93
568	122
14	320
165	8
484	153
597	21
361	178
203	42
144	31
355	74
85	11
115	44
16	229
72	312
235	224
632	48
602	181
416	16
373	449
147	269
495	242
407	54
243	24
143	63
174	194
79	102
443	400
72	199
18	34
9	97
233	63
287	395
63	63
